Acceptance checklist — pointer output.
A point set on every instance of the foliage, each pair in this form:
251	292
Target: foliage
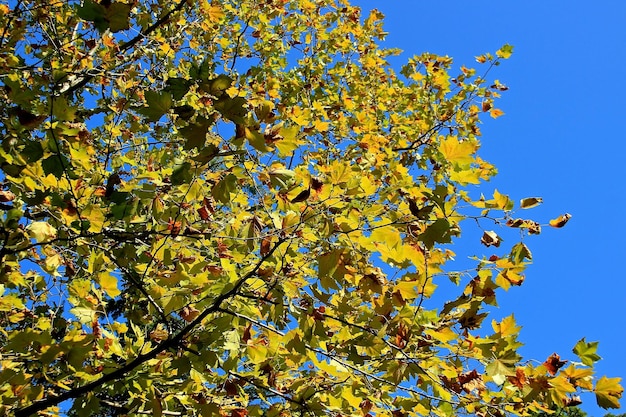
240	208
563	412
570	412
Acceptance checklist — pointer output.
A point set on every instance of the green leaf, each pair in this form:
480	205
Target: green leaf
195	133
203	71
256	139
232	108
587	352
94	12
437	232
219	85
505	52
520	252
33	151
498	371
224	188
178	87
206	154
118	16
182	174
281	177
158	103
327	265
55	165
62	110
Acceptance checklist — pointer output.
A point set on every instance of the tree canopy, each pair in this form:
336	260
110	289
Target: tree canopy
241	208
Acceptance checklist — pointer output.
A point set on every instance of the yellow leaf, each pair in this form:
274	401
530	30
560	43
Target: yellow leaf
443	335
505	52
579	377
507	327
503	202
560	221
256	353
560	389
213	12
41	231
409	289
289	142
116	348
108	283
457	152
608	392
96	218
320	126
466	176
388	236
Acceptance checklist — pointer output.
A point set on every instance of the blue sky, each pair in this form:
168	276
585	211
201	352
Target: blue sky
562	138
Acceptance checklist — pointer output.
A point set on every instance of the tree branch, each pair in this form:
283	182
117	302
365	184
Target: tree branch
143	358
77	82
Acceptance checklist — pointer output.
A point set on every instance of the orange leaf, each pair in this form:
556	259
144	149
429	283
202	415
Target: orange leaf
495	113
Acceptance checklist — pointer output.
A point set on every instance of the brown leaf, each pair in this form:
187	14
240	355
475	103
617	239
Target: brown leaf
316	184
266	244
519	380
28	119
174	226
514	222
188	313
554	363
247	333
471	381
490	238
113	180
231	388
203	212
222	250
572	401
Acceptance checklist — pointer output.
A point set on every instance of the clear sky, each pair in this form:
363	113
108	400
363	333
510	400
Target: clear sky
562	138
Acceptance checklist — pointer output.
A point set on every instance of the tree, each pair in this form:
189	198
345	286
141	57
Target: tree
240	208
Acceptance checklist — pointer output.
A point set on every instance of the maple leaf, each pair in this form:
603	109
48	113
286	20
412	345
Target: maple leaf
554	363
608	392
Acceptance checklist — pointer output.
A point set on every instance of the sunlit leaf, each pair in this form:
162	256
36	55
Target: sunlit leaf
505	52
530	202
561	220
587	352
608	392
41	231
